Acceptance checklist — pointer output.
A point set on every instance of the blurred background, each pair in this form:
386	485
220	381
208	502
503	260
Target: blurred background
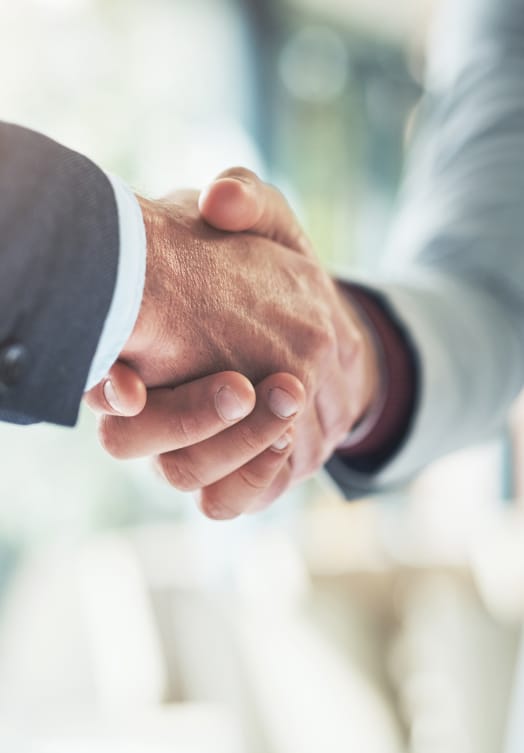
128	623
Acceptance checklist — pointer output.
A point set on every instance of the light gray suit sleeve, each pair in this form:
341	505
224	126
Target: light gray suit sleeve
454	273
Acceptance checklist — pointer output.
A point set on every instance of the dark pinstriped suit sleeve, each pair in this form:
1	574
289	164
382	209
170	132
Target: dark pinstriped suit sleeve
59	249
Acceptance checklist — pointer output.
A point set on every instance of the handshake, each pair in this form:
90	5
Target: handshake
248	365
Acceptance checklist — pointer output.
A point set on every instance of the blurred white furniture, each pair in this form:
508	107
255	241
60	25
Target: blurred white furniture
183	728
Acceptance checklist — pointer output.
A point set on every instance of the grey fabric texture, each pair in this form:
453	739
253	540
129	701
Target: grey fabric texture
59	248
454	273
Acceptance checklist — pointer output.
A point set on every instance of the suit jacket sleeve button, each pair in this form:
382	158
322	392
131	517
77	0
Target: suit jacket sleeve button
13	363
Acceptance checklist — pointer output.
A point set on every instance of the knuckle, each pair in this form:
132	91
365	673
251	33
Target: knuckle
110	437
184	428
178	473
293	236
317	459
310	464
321	343
341	430
215	507
334	439
356	344
320	279
300	239
242	173
278	486
249	439
351	353
255	481
342	424
327	344
350	417
293	228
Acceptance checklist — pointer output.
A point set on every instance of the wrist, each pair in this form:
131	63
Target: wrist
371	354
129	283
373	369
389	414
153	220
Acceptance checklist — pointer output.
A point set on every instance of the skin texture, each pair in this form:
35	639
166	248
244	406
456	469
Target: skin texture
217	306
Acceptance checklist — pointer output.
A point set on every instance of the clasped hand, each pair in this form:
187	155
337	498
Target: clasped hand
256	363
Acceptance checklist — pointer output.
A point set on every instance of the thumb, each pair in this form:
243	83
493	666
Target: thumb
121	393
239	201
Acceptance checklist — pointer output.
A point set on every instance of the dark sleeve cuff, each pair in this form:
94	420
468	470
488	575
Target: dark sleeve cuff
354	470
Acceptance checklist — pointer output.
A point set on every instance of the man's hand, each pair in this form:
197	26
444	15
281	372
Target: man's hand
244	302
200	441
241	302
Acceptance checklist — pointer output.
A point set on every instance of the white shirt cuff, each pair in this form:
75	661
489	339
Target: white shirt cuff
129	286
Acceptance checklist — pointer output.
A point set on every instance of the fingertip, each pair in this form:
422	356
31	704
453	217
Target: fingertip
286	395
234	396
297	386
133	401
213	509
112	397
241	384
125	391
283	445
121	393
230	204
281	483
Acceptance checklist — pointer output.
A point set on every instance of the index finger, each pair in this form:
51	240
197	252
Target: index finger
179	417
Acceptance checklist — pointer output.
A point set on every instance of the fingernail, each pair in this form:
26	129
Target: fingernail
229	405
282	403
111	396
219	513
282	443
203	196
